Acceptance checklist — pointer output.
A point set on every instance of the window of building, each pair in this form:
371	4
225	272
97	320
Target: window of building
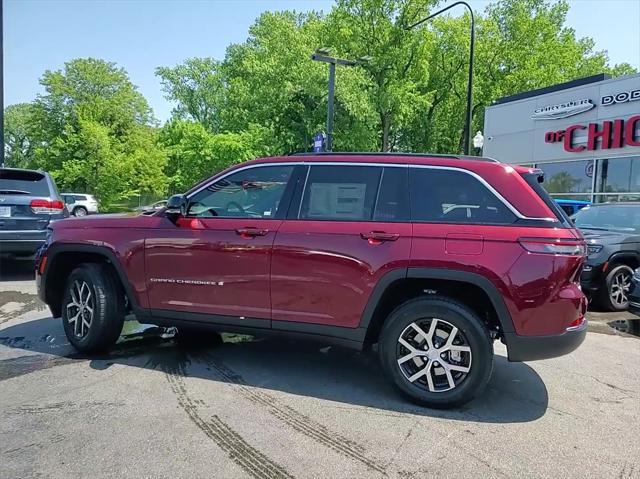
565	177
618	179
393	197
340	193
251	193
447	196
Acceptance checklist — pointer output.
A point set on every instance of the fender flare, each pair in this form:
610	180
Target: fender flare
56	249
506	323
618	255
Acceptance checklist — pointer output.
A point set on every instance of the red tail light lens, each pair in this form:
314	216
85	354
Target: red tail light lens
46	207
554	246
577	324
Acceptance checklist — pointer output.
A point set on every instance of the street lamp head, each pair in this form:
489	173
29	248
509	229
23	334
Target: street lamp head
366	59
478	140
323	50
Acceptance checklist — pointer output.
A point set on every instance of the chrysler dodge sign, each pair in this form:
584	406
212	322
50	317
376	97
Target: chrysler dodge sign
562	110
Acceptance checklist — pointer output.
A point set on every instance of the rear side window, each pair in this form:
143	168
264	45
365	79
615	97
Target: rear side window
393	197
449	196
345	193
535	180
20	182
80	197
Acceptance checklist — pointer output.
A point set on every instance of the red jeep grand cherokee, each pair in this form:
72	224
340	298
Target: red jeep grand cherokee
431	257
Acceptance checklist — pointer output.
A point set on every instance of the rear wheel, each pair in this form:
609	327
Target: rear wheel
437	352
80	211
614	296
93	308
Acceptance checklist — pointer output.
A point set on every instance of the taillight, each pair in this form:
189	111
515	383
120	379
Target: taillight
554	246
46	207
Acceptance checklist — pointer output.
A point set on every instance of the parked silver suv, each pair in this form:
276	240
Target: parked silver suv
80	204
29	201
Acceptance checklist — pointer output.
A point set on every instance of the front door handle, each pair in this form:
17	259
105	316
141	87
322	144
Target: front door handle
376	237
249	232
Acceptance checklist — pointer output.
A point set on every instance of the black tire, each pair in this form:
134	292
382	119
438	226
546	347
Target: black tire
80	211
108	314
474	334
605	294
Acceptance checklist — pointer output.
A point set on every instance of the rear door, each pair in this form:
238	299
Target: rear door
26	201
349	225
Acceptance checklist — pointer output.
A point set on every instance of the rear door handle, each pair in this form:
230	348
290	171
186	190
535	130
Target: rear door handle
249	232
379	236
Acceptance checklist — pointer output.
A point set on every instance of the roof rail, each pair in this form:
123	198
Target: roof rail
410	155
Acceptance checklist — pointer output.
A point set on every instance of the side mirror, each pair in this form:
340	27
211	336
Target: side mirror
176	207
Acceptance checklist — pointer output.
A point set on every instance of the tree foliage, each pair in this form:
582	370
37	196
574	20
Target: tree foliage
95	132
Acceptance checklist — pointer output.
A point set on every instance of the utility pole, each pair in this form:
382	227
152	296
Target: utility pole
322	55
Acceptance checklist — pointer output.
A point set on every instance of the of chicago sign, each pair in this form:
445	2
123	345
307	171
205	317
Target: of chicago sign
600	136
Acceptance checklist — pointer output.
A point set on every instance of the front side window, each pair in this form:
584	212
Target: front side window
251	193
448	196
335	192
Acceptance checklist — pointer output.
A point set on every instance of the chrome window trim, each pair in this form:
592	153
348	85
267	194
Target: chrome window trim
479	178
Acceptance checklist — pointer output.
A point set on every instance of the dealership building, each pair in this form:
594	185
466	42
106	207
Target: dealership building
584	134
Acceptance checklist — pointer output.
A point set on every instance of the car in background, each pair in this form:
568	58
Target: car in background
80	204
612	231
571	207
29	202
152	208
633	326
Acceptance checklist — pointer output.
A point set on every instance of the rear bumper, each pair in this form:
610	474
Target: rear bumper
24	242
531	348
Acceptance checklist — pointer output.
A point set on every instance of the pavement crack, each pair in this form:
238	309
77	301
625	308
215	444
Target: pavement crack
242	453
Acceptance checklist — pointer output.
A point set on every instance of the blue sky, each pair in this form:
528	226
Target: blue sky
140	35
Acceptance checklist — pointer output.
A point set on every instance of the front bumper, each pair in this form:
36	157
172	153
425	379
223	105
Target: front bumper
532	348
592	277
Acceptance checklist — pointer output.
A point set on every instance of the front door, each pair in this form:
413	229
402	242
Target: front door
216	260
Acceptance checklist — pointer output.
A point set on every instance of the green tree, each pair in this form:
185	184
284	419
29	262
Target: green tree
198	89
94	132
18	135
195	154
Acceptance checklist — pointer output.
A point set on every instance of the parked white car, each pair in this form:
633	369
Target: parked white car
80	204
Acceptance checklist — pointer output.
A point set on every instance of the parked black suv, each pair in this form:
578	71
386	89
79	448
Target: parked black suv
612	231
29	201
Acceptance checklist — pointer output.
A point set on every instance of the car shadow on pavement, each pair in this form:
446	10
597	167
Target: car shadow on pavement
515	393
16	269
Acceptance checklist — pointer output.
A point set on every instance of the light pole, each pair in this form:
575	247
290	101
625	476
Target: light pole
322	55
467	128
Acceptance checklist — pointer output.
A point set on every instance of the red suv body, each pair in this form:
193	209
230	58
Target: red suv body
430	257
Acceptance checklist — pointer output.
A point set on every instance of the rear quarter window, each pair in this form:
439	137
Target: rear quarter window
451	196
21	182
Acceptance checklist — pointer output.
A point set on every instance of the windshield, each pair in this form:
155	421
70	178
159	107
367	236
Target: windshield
609	217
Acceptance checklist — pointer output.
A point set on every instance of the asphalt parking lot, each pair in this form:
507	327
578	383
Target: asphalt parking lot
260	408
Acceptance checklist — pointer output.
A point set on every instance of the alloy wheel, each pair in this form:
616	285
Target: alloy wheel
434	355
619	290
80	309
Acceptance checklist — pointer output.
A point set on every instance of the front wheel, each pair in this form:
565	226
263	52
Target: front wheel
93	308
614	295
437	352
